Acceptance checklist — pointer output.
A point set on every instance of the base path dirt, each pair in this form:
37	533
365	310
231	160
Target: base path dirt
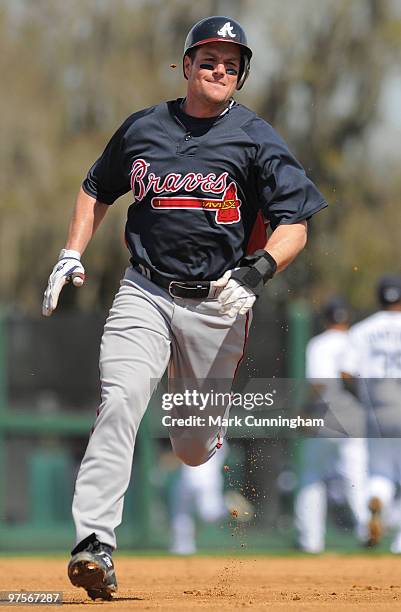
332	582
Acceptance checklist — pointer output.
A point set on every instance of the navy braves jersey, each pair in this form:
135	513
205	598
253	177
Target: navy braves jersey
198	185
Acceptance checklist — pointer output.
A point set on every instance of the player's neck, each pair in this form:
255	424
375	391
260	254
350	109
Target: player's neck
393	307
196	108
339	326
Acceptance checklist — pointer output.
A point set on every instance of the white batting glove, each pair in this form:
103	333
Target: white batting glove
235	298
67	269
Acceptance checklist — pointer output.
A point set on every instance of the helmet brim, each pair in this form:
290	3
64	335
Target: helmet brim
216	39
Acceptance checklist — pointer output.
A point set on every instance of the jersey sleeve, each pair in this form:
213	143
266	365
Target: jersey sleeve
286	194
108	178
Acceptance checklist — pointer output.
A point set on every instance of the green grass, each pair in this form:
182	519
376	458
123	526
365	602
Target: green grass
228	539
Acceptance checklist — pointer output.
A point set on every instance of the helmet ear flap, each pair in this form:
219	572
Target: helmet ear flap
244	70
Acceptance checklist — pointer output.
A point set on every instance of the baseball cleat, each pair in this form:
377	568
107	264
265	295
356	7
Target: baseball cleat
375	526
91	567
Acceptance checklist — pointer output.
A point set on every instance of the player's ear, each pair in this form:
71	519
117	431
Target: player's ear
187	64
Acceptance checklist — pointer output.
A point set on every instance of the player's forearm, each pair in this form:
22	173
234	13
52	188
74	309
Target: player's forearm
286	242
87	216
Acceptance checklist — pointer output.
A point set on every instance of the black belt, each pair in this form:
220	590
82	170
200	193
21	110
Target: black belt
183	289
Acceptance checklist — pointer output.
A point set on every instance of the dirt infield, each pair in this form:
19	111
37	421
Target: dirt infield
260	583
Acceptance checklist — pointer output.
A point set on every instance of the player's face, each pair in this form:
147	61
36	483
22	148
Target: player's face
213	73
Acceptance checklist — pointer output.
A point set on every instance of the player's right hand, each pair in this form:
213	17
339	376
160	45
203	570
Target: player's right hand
67	269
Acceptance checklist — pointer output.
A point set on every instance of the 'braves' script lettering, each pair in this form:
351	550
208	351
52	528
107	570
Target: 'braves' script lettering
173	181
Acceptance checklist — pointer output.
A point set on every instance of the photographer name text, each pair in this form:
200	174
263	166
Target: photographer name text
238	421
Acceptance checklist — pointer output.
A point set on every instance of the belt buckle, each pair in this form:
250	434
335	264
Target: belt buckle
187	289
171	283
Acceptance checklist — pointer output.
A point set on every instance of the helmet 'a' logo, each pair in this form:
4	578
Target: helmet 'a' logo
227	30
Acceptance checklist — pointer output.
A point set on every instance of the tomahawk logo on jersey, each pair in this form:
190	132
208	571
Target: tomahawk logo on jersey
227	208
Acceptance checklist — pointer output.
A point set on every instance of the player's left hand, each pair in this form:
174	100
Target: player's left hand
241	286
236	298
67	269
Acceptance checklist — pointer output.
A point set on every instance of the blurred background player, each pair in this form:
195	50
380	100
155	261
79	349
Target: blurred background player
374	355
199	494
322	458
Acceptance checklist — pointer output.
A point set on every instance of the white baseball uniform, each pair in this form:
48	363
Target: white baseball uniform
325	457
374	355
198	493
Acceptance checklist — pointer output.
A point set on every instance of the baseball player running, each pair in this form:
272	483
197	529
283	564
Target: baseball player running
323	458
201	169
374	355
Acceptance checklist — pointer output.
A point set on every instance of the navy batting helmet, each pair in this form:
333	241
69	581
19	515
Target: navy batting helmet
389	289
336	311
225	29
